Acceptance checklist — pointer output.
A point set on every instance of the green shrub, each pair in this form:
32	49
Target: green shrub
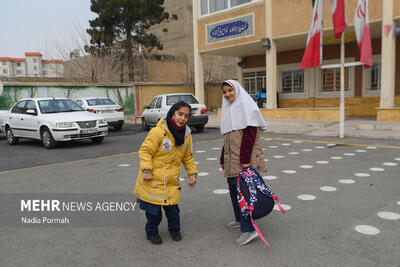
6	102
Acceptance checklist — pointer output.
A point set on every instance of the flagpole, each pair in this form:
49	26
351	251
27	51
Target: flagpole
341	124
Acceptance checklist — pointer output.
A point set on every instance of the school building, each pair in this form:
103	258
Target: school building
269	37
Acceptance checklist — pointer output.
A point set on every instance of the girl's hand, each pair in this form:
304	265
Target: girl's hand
192	181
222	166
147	176
246	165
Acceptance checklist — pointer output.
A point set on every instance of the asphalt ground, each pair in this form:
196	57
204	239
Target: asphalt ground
318	232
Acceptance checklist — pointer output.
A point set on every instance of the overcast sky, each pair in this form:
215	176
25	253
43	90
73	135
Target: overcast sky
41	26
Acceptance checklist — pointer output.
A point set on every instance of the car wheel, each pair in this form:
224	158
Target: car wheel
98	140
11	139
47	139
200	128
145	126
118	127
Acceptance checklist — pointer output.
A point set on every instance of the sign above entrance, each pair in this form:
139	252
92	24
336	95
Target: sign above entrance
229	29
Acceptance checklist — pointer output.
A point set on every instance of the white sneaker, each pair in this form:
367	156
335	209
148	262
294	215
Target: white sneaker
233	225
245	238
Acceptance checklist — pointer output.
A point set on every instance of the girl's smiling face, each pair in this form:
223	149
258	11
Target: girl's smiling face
181	116
229	93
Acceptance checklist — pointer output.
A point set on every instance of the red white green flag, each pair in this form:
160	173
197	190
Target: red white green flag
338	17
313	54
361	27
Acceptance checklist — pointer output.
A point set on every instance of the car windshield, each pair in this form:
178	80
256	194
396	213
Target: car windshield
172	99
58	105
100	102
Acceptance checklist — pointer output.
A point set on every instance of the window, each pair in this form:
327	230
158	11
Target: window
100	101
211	6
158	104
374	77
18	64
292	81
254	82
34	60
34	67
30	105
19	71
4	63
19	107
5	71
153	103
79	102
172	99
330	80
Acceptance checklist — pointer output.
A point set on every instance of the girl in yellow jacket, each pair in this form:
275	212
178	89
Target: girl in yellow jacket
166	146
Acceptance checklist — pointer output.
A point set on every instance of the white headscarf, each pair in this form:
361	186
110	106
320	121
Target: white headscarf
240	113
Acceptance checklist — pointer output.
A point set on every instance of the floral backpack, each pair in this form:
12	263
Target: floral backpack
254	197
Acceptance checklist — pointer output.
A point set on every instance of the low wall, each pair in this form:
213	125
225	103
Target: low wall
300	113
388	114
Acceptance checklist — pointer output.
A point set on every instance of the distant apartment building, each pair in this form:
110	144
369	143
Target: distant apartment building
31	66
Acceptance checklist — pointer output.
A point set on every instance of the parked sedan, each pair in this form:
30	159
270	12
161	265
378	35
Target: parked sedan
160	105
112	113
52	120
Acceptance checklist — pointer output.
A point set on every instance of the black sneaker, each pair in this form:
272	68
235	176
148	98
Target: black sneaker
155	239
176	236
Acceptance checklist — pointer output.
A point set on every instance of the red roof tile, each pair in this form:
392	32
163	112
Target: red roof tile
33	54
5	58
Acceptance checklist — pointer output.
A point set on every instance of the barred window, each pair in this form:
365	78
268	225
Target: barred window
374	77
330	80
211	6
254	82
293	81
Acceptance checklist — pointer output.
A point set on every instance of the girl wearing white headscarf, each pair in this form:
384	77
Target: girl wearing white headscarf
241	122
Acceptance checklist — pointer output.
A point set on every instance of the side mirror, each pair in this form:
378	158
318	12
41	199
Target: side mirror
31	112
145	107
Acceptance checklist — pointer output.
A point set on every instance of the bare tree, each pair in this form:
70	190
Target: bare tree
91	68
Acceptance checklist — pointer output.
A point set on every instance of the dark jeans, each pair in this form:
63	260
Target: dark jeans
153	221
245	223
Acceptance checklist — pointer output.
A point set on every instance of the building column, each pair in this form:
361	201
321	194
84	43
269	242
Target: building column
1	88
239	70
198	59
270	57
388	59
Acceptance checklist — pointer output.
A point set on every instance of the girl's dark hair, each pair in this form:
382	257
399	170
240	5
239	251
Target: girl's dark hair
225	83
180	104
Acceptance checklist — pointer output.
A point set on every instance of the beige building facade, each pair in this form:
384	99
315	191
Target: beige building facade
268	38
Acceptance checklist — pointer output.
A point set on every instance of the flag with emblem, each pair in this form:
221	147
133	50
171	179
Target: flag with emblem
338	17
361	27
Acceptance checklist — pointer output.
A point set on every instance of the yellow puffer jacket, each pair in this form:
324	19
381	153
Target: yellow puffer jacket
159	155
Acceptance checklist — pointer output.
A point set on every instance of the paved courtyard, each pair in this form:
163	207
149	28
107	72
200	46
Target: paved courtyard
342	200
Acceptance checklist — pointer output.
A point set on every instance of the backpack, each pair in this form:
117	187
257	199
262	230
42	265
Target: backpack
254	197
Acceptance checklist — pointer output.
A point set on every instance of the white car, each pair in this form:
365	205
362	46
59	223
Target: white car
161	104
52	120
112	113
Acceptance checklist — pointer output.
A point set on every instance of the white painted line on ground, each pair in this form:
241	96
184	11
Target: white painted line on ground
376	169
216	148
293	153
307	166
387	215
297	142
200	151
273	146
398	202
336	157
390	164
322	162
330	144
181	179
203	174
371	147
267	139
211	158
319	147
289	171
306	197
124	165
196	162
285	144
361	150
265	159
306	150
221	191
367	229
349	154
346	181
398	159
263	149
284	206
362	174
328	188
279	157
269	177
